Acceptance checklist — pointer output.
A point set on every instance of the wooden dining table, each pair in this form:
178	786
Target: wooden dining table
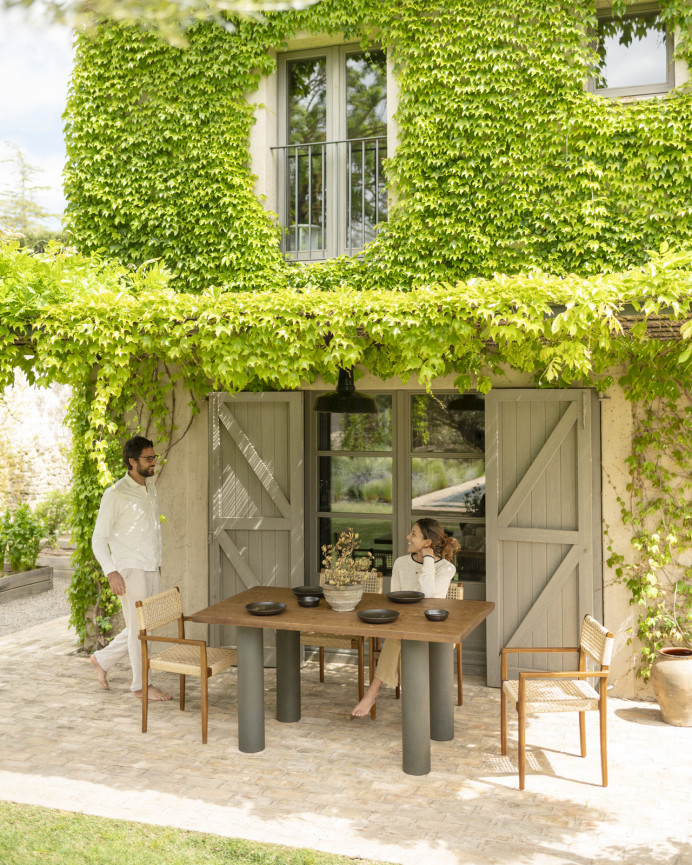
427	661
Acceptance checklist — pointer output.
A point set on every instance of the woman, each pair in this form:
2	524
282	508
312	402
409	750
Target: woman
427	568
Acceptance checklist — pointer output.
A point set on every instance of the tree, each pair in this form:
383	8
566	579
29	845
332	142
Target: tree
20	212
169	17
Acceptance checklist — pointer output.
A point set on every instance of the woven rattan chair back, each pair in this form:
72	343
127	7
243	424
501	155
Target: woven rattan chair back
455	592
596	641
159	610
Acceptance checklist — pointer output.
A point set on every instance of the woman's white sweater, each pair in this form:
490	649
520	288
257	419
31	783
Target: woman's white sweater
431	577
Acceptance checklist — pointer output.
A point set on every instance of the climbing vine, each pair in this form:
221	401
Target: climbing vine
528	214
659	511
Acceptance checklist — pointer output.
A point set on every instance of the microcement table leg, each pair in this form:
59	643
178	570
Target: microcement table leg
250	690
288	676
415	706
441	692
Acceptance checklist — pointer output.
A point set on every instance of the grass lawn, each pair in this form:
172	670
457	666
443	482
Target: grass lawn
41	836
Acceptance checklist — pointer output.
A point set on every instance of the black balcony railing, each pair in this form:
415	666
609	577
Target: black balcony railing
333	197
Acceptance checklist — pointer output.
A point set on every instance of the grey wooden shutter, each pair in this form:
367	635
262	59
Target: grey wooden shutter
255	495
543	521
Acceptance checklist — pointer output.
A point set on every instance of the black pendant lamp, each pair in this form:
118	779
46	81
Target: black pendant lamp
346	399
467	402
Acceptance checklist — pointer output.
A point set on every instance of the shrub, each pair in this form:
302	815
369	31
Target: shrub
54	513
24	536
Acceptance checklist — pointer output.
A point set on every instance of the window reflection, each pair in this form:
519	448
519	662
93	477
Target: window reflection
359	484
439	485
435	427
470	560
357	432
632	52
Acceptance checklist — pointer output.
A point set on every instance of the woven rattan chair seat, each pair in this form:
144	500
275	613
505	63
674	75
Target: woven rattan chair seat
185	660
331	641
554	695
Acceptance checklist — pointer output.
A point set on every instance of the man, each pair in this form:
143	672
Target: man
127	545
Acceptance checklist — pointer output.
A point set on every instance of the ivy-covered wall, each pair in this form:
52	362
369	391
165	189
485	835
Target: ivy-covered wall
516	191
505	161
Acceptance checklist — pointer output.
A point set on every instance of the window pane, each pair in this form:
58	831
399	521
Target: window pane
470	560
305	194
443	485
357	432
375	536
356	484
366	118
366	94
632	52
307	100
437	427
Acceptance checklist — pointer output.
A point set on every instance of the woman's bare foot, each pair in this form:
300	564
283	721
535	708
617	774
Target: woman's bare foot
368	701
153	694
103	681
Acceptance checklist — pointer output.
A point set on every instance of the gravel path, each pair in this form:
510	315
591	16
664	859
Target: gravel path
25	612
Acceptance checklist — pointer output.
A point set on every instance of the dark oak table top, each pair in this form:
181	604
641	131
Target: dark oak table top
411	624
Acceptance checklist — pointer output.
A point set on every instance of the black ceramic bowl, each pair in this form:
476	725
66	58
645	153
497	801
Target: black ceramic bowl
265	608
405	597
315	591
436	615
308	600
377	617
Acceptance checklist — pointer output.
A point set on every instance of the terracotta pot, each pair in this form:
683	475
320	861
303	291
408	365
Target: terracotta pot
343	600
671	678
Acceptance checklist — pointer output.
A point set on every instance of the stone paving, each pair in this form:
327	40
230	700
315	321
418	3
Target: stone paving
335	784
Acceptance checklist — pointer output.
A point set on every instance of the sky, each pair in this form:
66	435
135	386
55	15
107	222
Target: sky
35	64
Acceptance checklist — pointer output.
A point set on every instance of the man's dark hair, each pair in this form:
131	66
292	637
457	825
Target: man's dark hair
132	449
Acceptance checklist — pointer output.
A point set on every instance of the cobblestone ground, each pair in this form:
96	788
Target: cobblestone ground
334	784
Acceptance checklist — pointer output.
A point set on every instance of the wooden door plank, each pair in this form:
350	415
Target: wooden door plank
541	536
256	463
241	567
538	466
522	634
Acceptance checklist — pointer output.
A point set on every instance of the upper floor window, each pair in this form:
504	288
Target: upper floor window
333	128
634	54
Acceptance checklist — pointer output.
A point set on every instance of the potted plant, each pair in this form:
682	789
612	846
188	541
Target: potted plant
671	671
344	572
21	535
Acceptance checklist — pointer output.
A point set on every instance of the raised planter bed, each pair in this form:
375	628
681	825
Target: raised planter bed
22	585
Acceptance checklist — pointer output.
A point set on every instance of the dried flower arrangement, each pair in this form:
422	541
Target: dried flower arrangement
341	567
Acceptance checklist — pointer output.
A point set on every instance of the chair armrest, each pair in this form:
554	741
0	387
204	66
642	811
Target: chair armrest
530	651
565	674
536	649
182	640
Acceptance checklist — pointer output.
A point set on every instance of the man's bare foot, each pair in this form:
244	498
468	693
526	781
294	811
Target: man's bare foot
103	681
154	694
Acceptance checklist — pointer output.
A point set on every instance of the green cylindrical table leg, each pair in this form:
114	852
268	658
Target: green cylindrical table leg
415	706
288	676
250	690
441	692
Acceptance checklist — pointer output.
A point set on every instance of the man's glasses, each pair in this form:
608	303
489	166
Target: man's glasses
149	459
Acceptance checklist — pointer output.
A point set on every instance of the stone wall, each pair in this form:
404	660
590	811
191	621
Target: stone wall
34	442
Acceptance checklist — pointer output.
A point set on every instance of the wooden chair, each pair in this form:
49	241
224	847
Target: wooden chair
185	657
371	585
564	691
455	592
